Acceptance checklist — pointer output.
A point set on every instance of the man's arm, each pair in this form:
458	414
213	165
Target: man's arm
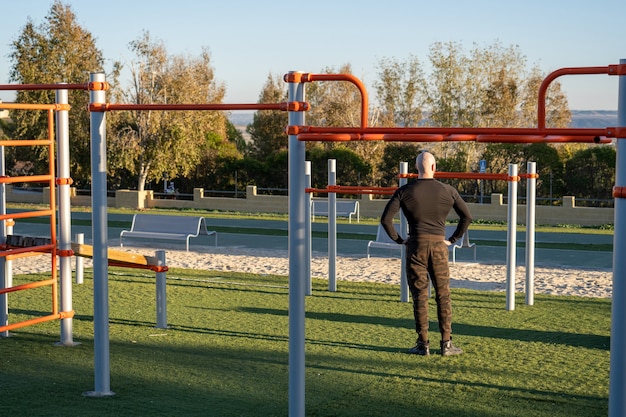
465	218
386	220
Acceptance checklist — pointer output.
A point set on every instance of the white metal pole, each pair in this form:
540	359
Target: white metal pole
9	264
308	229
80	261
531	184
161	298
332	227
100	244
297	258
511	238
4	278
64	216
617	382
404	286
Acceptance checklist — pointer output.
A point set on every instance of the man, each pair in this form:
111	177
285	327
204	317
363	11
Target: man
426	203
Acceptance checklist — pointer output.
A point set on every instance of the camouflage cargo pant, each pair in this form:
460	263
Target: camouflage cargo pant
429	258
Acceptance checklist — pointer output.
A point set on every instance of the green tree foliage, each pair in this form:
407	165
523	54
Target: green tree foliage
390	163
351	168
549	166
590	174
557	110
400	90
58	50
151	143
236	137
333	103
338	103
267	130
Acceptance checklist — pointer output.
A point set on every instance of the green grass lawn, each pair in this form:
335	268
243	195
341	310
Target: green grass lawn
225	352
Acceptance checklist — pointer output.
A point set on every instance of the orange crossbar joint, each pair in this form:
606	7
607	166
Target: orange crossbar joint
64	181
619	192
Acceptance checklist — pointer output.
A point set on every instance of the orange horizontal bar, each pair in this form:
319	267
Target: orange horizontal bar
31	178
27	286
352	189
466	176
24	87
16	253
27	214
28	106
284	106
328	137
155	268
527	176
609	132
28	142
413	137
57	316
541	139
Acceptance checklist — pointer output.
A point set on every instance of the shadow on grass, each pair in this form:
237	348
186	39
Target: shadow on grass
522	335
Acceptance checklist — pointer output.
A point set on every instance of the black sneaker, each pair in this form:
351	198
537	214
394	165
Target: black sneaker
420	348
448	349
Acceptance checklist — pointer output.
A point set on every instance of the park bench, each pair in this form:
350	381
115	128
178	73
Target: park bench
463	243
384	242
156	226
345	208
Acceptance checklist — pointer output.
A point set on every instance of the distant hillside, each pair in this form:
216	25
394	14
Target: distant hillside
594	118
241	118
580	118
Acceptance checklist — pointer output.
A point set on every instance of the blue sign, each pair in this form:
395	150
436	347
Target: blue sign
483	165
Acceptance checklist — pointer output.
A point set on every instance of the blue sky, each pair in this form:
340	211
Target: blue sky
250	39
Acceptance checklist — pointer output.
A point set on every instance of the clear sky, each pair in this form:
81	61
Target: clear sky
249	39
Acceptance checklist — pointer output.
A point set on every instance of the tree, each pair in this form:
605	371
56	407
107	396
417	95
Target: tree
557	108
58	50
590	174
236	137
267	130
351	169
400	90
549	165
152	144
390	164
338	103
487	88
334	103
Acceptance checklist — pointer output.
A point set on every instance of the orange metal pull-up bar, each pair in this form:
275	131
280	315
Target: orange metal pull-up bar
60	86
284	106
619	69
297	77
540	134
469	176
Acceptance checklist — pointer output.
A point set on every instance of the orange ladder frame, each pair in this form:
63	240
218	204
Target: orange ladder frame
9	252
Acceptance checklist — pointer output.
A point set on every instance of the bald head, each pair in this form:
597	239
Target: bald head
426	165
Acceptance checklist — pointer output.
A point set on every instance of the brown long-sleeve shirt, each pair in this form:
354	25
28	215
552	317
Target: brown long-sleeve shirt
426	203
